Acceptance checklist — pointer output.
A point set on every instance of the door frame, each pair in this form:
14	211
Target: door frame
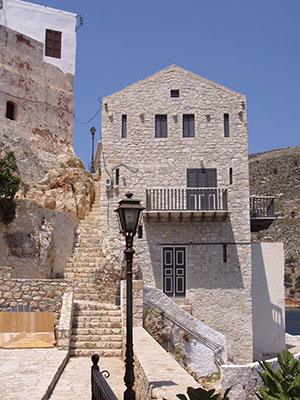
173	246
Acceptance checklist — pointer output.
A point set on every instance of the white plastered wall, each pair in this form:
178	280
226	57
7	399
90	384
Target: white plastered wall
268	299
32	20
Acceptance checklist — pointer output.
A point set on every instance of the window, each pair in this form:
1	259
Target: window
117	176
188	125
124	126
10	110
230	176
224	253
53	44
161	126
202	177
226	125
174	93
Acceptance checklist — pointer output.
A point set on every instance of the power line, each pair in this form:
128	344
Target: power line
91	119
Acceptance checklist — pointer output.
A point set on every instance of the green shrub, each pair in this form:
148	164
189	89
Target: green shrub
297	285
202	394
9	185
288	278
292	292
283	383
290	260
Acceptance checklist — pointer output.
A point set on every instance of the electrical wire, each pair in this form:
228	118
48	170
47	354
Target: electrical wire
91	119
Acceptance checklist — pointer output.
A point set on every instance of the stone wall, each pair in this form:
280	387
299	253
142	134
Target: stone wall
37	294
137	304
37	244
64	329
43	99
195	345
33	20
244	379
219	292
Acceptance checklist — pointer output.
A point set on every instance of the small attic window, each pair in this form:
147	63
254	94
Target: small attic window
11	110
53	43
174	92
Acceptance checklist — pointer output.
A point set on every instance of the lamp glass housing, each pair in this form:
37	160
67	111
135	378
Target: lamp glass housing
129	211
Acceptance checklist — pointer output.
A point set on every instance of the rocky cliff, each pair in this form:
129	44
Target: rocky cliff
277	173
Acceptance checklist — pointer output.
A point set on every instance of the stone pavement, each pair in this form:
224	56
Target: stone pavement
27	374
75	381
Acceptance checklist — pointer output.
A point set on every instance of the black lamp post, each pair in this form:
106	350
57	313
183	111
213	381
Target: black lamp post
129	211
92	169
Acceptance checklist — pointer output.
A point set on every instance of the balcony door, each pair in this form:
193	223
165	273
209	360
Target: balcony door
174	271
201	199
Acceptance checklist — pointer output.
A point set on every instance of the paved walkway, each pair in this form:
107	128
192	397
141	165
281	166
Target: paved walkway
75	381
27	374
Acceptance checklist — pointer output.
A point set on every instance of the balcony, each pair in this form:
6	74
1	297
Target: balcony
262	212
200	203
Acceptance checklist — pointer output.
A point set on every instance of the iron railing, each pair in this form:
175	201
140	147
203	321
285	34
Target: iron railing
188	199
100	388
262	207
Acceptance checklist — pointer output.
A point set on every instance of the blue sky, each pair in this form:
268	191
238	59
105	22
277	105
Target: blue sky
250	46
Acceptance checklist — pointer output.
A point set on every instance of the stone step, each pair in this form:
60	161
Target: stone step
95	338
95	345
95	305
93	297
79	257
96	313
96	331
90	246
102	353
100	316
85	263
96	325
86	277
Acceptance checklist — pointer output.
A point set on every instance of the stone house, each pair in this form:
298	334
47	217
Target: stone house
37	61
179	143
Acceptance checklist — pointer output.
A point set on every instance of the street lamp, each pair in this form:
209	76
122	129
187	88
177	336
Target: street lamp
129	212
92	169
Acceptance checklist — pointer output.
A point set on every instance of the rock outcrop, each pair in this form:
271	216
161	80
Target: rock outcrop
69	189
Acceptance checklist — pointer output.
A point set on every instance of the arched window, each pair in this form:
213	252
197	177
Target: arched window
11	110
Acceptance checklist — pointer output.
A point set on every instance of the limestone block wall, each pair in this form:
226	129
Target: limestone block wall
38	243
268	299
244	379
220	293
43	98
32	20
38	294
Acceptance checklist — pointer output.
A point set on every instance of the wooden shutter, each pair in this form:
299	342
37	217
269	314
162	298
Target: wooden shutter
188	125
53	43
161	125
202	177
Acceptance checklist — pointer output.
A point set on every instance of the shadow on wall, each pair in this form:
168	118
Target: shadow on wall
209	264
268	299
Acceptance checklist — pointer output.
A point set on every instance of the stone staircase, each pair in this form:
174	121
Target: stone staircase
96	320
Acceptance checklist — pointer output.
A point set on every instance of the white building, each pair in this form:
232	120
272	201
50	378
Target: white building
56	29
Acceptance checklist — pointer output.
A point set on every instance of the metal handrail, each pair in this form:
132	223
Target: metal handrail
215	347
262	207
100	388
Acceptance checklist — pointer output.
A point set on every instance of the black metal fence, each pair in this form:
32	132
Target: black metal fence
198	199
262	207
100	388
